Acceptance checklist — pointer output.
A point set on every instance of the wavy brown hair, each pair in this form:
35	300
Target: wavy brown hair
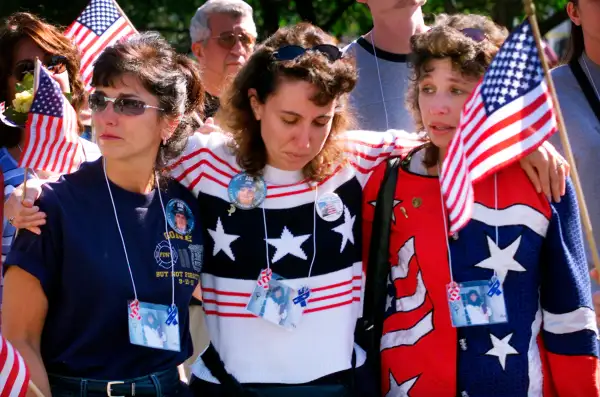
334	80
445	40
50	39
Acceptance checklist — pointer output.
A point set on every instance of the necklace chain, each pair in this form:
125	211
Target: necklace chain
590	76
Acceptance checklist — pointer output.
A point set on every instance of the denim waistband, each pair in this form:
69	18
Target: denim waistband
158	384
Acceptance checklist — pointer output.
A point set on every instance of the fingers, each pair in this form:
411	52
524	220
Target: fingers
555	183
594	275
32	193
533	176
209	120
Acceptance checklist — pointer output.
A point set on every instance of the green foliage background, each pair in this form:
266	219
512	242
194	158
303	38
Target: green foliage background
345	19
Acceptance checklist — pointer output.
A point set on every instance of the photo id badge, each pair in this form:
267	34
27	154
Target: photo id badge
155	326
275	303
476	303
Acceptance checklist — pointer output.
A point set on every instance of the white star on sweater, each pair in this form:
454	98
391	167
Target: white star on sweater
222	240
288	244
502	260
345	229
400	390
501	349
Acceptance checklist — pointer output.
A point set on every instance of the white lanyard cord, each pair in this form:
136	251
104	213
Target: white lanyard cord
445	225
314	234
446	222
112	200
387	124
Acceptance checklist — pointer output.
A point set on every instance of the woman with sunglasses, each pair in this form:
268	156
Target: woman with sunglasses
98	302
519	261
23	37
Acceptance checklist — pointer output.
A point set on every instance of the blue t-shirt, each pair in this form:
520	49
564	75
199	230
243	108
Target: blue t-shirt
81	266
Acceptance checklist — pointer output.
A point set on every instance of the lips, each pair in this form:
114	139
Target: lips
441	128
109	137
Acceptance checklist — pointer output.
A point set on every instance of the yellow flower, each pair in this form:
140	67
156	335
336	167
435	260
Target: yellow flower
22	101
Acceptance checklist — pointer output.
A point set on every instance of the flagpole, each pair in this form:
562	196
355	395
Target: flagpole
35	389
585	217
123	14
36	73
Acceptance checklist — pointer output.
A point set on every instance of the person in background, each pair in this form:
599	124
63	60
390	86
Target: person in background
381	57
23	37
577	84
223	35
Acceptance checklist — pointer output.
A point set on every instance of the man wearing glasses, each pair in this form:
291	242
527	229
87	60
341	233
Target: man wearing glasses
223	34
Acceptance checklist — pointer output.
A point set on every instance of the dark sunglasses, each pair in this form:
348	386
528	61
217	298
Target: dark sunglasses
228	40
474	34
290	52
124	106
56	64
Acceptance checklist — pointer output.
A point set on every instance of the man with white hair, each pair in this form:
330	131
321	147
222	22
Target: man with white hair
223	35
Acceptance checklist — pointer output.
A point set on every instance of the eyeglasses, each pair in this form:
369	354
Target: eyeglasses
54	63
124	106
228	40
290	52
474	34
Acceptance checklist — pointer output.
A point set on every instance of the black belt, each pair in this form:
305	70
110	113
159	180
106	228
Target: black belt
156	384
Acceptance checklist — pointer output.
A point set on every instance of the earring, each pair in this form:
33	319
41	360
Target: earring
164	141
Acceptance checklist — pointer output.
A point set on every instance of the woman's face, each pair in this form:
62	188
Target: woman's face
442	93
586	14
473	297
293	128
127	137
26	50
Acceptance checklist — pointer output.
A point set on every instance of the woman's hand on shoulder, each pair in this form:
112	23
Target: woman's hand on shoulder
547	170
20	210
209	127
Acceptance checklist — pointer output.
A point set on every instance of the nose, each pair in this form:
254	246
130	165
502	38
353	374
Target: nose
302	138
108	116
440	105
238	49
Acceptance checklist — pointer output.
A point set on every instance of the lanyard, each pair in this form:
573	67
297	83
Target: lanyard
123	239
446	222
314	235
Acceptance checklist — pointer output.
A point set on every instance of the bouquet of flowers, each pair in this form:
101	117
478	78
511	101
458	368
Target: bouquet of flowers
16	115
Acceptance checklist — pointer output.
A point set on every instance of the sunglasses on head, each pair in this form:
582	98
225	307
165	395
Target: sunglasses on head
56	64
228	40
474	34
124	106
290	52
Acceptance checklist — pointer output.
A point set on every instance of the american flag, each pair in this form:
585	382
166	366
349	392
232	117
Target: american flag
509	114
14	374
100	25
52	143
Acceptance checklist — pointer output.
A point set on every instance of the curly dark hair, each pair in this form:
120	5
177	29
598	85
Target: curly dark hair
262	72
172	78
445	40
49	38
